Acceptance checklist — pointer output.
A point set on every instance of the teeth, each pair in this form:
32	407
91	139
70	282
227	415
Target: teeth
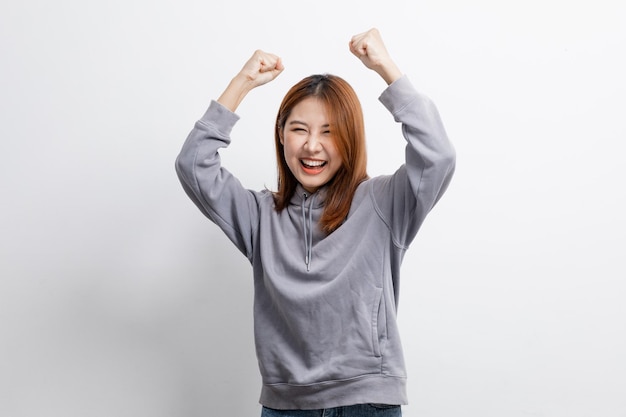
313	163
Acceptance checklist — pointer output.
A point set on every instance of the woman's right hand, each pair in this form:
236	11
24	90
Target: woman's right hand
260	69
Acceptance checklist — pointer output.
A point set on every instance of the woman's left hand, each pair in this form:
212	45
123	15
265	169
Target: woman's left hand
370	49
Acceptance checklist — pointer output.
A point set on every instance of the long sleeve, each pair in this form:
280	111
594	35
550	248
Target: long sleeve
406	197
214	190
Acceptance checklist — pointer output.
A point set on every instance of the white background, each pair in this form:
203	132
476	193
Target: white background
117	298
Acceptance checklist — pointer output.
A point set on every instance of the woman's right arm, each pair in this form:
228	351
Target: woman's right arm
214	190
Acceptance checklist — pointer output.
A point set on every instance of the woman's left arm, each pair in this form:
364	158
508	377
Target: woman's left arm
408	195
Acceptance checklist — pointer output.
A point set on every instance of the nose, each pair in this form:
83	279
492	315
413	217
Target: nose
313	143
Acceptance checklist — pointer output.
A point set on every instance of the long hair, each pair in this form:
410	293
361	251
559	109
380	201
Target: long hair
346	121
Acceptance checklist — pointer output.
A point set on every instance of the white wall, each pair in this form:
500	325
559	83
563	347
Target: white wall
117	298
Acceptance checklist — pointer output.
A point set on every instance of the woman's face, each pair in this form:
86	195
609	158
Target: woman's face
308	143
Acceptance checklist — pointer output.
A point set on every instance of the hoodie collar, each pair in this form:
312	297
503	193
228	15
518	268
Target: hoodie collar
301	194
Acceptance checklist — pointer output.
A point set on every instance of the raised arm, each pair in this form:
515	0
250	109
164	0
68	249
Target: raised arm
216	192
406	197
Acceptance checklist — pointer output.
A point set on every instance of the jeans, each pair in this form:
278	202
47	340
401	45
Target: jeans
359	410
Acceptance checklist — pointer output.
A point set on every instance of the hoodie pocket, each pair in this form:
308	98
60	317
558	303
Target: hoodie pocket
376	315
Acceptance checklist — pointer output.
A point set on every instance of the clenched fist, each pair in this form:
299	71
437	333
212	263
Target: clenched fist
370	49
262	68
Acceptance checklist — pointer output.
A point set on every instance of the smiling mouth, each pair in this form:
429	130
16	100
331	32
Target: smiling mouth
310	164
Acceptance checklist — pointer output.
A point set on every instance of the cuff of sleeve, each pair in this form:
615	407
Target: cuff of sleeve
398	95
220	117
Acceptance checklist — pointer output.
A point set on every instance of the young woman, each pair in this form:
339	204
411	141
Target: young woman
326	247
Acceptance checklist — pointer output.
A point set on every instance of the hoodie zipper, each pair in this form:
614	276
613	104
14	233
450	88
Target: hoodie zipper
307	230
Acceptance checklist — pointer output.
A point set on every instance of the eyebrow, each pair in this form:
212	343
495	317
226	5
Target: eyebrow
298	122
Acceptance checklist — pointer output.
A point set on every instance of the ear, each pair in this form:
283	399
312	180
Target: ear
281	136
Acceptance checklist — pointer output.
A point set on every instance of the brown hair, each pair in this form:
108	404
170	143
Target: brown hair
346	121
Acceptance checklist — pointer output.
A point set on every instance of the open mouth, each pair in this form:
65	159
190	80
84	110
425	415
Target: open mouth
310	164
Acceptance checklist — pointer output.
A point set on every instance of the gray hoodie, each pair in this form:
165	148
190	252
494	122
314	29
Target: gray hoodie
325	305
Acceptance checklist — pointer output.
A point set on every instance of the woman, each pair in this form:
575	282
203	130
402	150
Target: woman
326	247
